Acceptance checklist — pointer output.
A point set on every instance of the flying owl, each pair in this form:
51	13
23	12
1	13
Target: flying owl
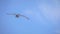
18	15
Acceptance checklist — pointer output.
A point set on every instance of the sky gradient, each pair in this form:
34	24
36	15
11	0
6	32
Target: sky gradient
44	17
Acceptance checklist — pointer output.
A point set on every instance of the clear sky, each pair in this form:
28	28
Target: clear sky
44	17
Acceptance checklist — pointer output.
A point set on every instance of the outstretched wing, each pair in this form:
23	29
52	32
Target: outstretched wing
24	16
11	14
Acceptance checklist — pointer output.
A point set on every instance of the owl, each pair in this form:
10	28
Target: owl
18	15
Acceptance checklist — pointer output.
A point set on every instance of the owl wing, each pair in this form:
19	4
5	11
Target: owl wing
24	16
11	14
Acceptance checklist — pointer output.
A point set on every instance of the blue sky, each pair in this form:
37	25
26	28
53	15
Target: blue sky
44	17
